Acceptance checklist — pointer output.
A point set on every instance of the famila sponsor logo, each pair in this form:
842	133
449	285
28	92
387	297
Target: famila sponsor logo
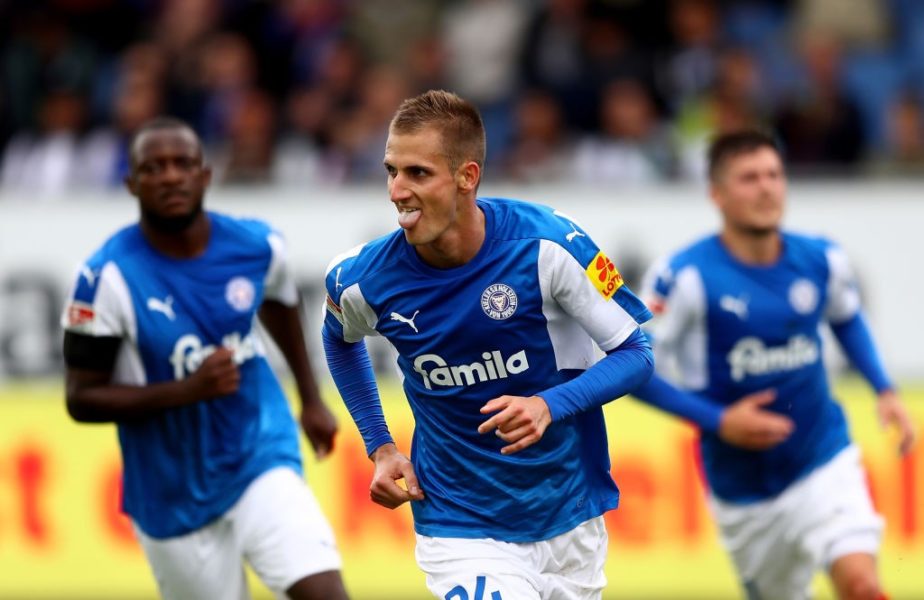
751	357
436	371
189	351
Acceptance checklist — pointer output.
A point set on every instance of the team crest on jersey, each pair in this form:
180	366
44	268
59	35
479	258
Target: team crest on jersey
603	274
499	301
240	294
803	296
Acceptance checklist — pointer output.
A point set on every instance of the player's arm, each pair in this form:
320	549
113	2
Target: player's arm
92	397
676	299
284	325
855	338
849	326
347	320
590	290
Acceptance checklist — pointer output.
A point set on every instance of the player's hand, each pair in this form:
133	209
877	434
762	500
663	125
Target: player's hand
748	425
521	421
320	426
390	467
892	412
218	375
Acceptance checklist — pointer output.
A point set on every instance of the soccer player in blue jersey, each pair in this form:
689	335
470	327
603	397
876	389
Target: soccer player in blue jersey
738	322
496	308
160	337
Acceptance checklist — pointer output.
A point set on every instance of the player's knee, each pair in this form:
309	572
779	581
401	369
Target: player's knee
861	586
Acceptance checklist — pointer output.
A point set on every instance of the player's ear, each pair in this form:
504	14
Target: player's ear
467	176
130	183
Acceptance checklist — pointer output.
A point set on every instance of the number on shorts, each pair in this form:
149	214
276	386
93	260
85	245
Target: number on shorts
459	593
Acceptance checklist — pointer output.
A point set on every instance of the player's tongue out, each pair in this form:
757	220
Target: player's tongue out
408	217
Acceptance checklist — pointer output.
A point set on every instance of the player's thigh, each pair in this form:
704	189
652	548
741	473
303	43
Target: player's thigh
768	556
283	533
469	569
850	524
855	576
202	565
573	562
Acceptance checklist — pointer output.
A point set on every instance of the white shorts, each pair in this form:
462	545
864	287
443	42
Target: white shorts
566	567
778	545
276	525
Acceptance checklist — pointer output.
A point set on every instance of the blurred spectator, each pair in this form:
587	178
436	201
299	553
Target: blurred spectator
552	57
633	146
541	72
482	39
42	57
306	136
689	66
45	163
736	101
820	125
903	155
541	151
137	95
360	134
246	154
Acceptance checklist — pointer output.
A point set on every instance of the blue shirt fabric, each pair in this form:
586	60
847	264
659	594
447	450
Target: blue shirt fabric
522	316
186	466
726	329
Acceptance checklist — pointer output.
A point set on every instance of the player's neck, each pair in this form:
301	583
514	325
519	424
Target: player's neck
753	247
188	243
458	245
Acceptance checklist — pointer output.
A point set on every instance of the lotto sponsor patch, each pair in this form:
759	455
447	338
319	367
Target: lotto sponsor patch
335	310
603	274
79	313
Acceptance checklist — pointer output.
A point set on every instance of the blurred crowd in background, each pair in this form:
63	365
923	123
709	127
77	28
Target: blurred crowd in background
295	92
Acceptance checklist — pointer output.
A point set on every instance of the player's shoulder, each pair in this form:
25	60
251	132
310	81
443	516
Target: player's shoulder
518	219
363	261
249	230
119	246
697	254
808	243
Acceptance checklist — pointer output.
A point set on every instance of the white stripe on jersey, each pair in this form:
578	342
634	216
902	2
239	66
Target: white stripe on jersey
358	317
564	283
679	332
843	298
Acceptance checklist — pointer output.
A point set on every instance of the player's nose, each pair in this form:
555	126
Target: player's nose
397	190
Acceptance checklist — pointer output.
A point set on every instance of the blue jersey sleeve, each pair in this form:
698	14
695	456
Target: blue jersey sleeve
855	337
622	370
659	393
351	369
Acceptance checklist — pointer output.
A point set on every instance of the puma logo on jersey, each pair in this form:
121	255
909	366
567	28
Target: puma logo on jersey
396	317
164	306
736	306
337	284
751	357
494	366
574	233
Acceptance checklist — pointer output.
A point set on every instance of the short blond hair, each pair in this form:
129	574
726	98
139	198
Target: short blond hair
457	120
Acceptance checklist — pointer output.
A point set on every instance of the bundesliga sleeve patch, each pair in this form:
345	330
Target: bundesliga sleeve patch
79	314
335	310
603	274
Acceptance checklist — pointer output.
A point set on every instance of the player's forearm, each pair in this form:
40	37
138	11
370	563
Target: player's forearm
285	327
661	394
109	402
857	341
351	369
616	375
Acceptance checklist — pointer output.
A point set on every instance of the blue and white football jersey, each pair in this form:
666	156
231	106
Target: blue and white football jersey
522	316
186	466
726	329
